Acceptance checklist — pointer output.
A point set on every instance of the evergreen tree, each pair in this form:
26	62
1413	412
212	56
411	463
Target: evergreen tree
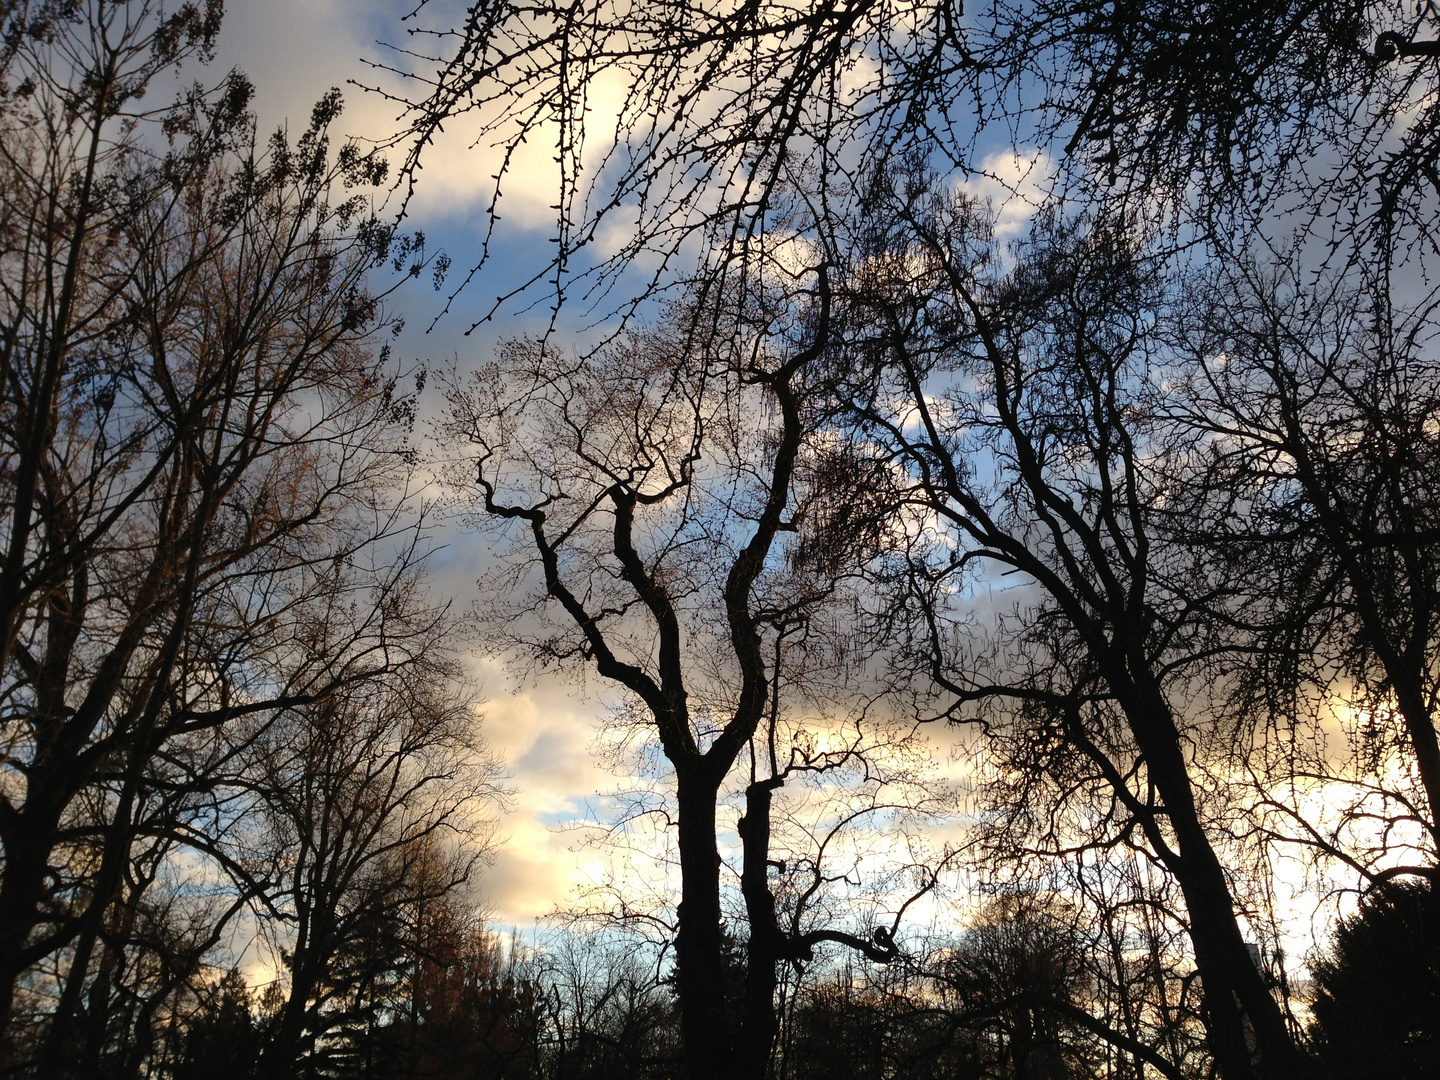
1377	987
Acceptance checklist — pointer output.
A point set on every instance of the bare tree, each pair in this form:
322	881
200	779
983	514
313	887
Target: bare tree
1320	396
670	496
374	800
1026	406
1023	402
201	454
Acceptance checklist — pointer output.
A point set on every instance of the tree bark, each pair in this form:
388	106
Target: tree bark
704	1024
759	1023
1235	992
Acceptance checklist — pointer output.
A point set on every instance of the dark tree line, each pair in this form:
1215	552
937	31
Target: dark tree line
1026	991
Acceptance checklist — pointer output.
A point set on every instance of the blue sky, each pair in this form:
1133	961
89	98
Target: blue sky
294	51
548	731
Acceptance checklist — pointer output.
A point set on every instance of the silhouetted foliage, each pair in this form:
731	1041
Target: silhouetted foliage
223	1035
967	378
206	548
1377	987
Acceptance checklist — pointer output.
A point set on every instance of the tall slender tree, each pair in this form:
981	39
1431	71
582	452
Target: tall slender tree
1022	402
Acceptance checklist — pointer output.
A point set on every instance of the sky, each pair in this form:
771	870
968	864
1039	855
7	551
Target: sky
548	733
294	51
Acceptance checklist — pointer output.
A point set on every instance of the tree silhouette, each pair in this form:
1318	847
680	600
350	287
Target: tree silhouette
1377	986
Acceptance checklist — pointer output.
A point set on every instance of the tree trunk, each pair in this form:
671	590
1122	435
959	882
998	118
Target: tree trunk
22	887
758	1022
108	889
1236	997
703	1023
279	1058
1420	726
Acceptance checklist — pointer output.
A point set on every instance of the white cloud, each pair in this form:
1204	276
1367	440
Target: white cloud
546	736
1015	182
295	52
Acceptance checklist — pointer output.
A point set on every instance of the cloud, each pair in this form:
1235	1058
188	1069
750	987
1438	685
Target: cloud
1015	182
549	735
295	53
546	736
